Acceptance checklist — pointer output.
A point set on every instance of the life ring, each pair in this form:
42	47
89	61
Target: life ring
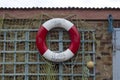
41	40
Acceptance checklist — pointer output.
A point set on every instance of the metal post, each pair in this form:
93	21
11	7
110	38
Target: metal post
3	65
60	49
15	46
83	52
26	55
93	56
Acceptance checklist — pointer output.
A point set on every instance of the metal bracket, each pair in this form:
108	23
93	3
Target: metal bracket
110	21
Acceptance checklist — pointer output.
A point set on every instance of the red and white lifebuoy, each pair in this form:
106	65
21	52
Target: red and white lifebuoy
41	40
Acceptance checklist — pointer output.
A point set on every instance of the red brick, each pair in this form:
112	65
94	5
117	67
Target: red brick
88	14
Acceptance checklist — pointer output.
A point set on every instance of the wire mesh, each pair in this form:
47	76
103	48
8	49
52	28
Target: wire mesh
20	60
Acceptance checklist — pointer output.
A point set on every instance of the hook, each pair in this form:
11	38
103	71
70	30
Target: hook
110	21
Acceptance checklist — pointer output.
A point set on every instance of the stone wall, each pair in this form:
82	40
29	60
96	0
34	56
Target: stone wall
103	52
103	38
104	49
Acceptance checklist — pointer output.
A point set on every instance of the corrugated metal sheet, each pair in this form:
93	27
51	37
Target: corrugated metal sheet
59	8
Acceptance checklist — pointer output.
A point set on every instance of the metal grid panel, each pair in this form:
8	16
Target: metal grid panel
20	60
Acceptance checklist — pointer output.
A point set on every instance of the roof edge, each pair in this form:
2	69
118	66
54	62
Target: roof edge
54	8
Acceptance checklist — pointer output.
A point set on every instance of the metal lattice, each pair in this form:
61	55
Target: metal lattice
20	60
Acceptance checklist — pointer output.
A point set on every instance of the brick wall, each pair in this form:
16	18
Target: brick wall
88	14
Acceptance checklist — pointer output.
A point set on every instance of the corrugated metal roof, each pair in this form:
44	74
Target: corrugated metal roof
28	8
